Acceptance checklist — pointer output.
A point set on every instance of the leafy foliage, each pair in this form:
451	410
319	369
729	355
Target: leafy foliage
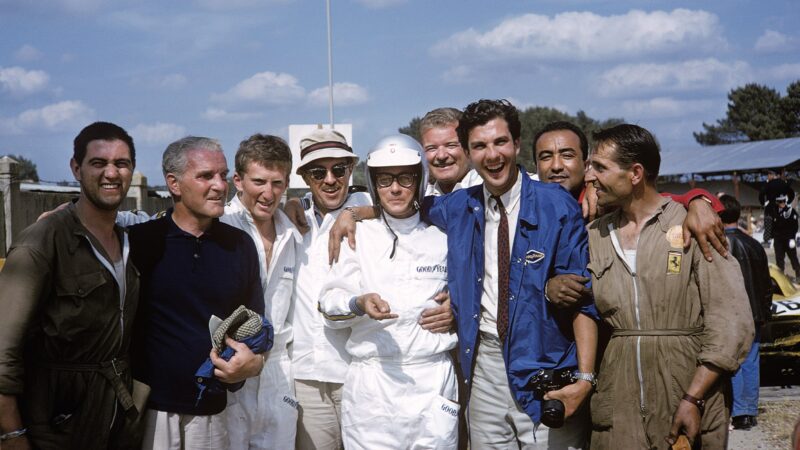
26	169
755	113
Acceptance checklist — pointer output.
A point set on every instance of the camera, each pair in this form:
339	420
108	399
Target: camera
546	380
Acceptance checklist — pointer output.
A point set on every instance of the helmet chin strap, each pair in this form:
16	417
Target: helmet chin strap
394	235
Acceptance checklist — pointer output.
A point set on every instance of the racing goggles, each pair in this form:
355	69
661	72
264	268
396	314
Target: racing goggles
405	180
319	173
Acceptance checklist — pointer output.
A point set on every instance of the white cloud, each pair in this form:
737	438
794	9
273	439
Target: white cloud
19	81
689	75
344	94
157	133
64	115
222	115
265	88
782	72
27	53
588	36
663	107
380	4
773	41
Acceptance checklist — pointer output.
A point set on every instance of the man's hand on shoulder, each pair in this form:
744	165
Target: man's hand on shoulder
704	224
567	290
345	225
438	319
57	208
243	365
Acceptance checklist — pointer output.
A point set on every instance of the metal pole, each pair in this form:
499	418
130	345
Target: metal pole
330	64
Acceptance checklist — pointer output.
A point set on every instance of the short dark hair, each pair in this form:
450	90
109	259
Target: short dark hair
104	131
481	112
633	144
732	211
263	149
563	125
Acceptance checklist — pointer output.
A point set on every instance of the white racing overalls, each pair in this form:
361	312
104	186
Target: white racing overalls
263	414
400	390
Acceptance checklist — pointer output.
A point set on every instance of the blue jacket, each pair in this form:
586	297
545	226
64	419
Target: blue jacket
550	240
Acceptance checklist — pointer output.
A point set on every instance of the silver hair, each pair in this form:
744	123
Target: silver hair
439	118
174	160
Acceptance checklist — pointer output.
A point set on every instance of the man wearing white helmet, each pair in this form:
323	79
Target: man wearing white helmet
400	389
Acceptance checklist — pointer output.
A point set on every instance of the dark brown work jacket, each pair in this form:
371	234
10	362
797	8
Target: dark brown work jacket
65	333
674	312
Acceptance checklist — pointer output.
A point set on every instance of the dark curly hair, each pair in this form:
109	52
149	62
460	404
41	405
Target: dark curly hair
481	112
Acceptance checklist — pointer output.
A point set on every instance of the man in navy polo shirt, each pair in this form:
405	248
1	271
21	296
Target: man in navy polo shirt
506	238
192	267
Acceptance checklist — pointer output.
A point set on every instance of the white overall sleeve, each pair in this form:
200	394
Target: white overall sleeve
342	283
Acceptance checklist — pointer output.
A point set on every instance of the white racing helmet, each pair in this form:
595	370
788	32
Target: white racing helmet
396	151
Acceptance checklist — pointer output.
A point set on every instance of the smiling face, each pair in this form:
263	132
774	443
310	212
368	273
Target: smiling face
493	153
613	183
558	160
105	173
261	189
329	192
447	161
397	200
202	188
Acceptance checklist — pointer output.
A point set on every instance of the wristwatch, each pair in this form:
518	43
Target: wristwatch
585	376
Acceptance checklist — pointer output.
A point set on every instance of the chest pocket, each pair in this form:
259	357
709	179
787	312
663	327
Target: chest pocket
79	298
603	285
599	267
80	286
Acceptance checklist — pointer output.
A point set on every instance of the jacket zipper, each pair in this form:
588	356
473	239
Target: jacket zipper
634	278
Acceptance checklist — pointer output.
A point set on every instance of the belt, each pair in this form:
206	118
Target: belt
621	332
111	371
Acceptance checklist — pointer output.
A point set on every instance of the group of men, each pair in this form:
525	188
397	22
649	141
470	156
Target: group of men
91	306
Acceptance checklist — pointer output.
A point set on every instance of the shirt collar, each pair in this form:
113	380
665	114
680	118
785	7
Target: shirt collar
174	230
510	198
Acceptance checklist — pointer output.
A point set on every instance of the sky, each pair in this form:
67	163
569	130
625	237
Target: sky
230	68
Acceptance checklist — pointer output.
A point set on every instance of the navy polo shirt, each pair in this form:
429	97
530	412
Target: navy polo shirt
184	280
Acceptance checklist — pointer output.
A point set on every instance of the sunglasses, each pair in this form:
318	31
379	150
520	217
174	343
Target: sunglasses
319	173
405	180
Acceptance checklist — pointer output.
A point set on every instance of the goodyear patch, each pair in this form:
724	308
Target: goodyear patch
533	256
674	263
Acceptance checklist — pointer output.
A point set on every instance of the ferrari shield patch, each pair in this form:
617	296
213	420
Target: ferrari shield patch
674	263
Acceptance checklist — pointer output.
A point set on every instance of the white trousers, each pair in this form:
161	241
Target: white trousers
318	424
497	422
173	431
393	405
263	413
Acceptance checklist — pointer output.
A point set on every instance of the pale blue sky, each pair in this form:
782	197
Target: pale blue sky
230	68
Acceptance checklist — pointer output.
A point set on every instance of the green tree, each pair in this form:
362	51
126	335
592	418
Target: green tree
755	113
412	129
27	168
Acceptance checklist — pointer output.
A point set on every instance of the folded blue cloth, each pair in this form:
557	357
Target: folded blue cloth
260	342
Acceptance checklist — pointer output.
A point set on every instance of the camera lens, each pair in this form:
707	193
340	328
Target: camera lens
553	413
